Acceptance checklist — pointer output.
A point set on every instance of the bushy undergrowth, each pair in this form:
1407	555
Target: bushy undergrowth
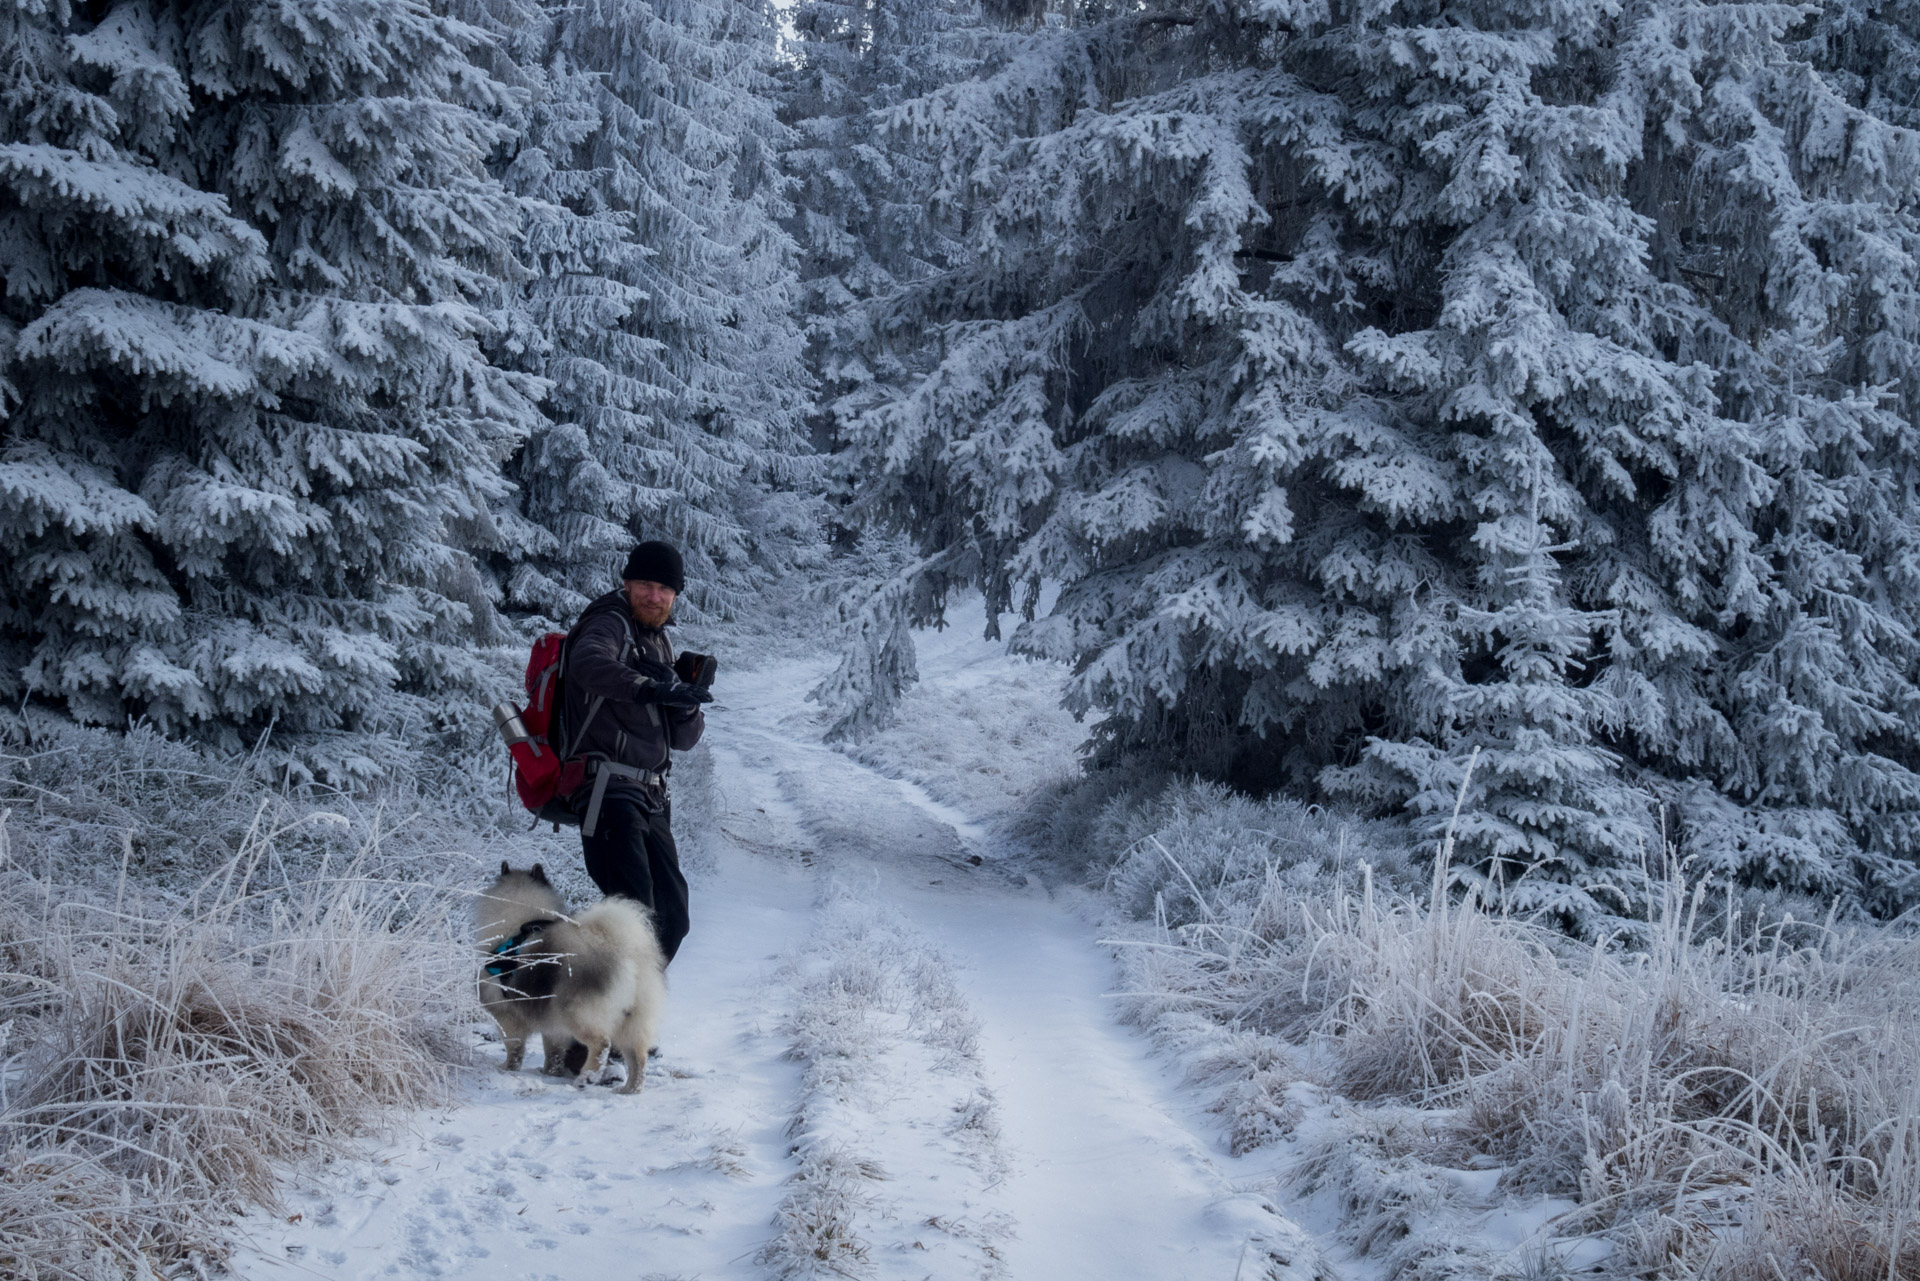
87	802
1723	1098
202	976
161	1058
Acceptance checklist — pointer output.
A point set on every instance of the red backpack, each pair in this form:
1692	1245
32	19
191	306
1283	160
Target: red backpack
536	739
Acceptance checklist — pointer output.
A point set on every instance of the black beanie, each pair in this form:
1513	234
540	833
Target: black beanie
657	562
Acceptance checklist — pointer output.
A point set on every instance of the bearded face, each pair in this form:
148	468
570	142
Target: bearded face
652	603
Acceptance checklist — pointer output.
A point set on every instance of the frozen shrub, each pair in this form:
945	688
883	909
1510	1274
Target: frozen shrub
1722	1098
94	802
163	1057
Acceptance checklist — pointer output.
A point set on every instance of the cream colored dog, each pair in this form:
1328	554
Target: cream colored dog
597	978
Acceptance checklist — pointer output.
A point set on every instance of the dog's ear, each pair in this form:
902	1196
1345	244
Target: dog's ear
540	874
505	867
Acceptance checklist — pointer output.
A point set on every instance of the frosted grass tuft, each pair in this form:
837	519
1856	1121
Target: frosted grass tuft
163	1059
1724	1099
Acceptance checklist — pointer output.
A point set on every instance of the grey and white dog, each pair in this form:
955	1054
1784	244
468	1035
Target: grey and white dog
598	977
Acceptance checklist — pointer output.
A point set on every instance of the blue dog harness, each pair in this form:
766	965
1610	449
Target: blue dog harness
508	962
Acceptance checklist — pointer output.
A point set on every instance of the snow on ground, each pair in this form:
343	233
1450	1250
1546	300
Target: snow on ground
887	1053
984	730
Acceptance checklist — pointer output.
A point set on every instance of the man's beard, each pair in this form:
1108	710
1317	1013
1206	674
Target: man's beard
653	617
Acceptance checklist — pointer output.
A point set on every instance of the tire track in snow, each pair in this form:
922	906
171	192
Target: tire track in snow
895	1129
1109	1177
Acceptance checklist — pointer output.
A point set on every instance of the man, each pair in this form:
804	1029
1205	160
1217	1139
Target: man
631	710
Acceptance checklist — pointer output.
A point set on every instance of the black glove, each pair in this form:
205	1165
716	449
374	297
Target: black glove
673	693
696	669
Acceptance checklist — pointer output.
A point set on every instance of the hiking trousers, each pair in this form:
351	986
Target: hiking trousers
631	852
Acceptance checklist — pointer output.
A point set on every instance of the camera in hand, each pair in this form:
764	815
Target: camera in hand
697	670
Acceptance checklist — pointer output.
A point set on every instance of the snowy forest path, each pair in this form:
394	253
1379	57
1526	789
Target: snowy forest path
1052	1146
1110	1169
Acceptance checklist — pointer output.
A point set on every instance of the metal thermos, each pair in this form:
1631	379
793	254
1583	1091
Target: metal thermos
507	717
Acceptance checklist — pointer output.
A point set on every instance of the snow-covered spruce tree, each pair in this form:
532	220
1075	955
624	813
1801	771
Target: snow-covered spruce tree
877	220
1803	252
250	439
869	589
873	215
1389	383
662	304
557	317
1869	51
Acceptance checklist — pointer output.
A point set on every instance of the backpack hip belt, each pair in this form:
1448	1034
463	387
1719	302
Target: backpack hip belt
601	772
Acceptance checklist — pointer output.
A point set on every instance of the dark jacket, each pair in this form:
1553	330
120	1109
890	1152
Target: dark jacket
612	656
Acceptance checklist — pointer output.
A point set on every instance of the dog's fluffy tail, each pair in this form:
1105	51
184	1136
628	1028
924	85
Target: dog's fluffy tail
627	927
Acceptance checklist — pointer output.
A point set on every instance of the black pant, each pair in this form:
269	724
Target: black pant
631	852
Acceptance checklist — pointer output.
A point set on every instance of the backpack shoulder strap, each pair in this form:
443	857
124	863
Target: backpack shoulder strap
599	701
660	719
